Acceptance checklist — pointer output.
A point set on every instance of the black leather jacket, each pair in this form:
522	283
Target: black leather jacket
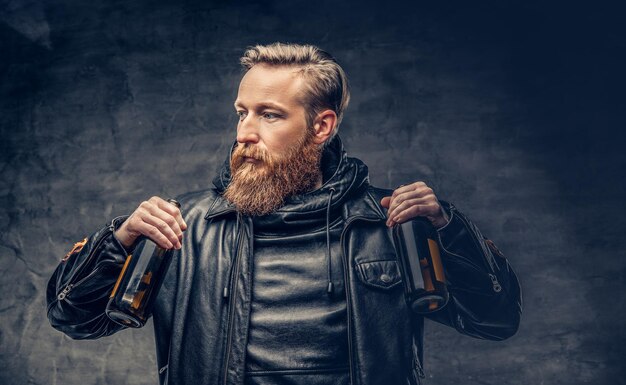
201	316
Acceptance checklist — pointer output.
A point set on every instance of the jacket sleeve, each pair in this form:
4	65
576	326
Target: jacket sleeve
79	289
485	295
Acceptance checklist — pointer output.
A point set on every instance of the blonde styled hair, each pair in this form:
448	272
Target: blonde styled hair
326	85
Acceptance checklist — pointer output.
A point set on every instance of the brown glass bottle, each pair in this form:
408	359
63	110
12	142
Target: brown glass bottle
136	289
420	265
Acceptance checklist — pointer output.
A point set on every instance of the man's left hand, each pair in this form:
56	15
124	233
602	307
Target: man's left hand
414	200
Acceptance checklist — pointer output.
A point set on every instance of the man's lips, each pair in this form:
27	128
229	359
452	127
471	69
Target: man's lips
252	160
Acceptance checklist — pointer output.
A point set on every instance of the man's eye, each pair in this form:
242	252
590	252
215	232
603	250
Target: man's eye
270	115
241	114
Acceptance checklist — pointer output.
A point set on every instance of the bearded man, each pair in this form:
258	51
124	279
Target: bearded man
286	272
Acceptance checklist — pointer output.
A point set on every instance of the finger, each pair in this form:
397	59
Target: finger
174	211
154	234
167	213
385	202
423	210
159	228
149	212
418	192
425	200
412	188
409	187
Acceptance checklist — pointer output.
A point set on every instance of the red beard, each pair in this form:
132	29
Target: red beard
261	188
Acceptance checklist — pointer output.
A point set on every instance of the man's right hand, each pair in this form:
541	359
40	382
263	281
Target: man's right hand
158	220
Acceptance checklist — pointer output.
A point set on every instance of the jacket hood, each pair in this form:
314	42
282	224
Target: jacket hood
342	177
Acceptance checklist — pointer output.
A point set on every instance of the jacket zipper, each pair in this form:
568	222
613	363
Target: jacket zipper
495	284
231	305
490	264
70	284
346	284
418	371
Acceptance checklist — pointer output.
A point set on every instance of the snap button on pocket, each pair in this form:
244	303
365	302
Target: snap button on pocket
382	274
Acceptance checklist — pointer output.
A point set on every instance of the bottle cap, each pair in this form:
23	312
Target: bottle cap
174	202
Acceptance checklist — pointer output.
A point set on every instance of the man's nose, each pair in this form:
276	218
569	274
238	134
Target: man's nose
247	130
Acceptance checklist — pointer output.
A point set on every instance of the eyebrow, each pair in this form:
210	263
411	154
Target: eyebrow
264	105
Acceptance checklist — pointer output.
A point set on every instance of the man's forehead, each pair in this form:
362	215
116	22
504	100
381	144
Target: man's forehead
272	84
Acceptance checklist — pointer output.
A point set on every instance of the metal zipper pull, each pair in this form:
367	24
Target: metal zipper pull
496	285
417	364
65	292
418	367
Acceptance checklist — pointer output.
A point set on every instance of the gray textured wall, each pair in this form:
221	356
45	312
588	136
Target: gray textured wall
514	112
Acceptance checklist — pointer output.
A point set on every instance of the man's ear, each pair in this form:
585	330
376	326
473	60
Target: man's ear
324	125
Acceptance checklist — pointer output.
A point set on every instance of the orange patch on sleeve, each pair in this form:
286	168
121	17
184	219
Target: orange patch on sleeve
494	249
78	246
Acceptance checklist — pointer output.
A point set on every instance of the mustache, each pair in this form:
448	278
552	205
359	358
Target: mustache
248	151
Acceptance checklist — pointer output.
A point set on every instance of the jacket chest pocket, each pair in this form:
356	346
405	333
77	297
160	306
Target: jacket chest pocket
381	274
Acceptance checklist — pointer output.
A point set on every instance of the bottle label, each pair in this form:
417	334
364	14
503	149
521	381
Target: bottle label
436	260
119	279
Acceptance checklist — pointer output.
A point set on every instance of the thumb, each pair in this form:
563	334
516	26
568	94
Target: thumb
385	202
